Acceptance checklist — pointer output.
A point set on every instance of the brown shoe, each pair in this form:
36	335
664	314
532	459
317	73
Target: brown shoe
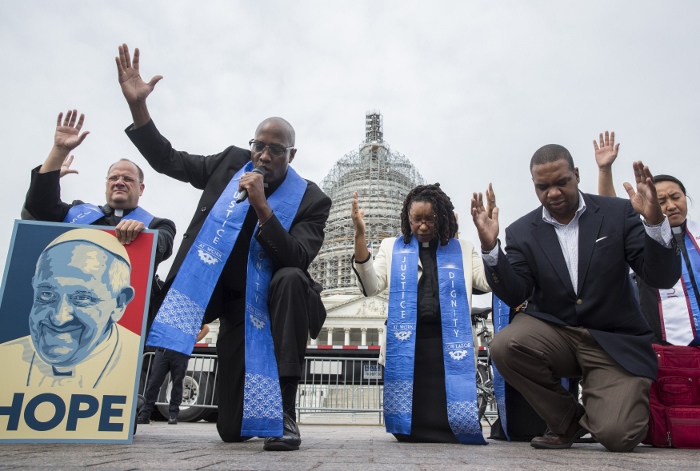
552	441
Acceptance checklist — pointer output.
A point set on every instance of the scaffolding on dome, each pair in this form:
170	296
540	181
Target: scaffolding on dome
382	178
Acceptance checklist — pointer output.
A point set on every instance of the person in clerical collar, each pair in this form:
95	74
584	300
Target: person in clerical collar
123	188
428	348
673	314
81	290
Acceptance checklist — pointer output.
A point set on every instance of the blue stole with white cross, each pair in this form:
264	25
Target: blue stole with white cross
501	318
87	213
458	347
179	318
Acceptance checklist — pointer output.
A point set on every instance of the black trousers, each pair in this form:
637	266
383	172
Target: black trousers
429	423
166	360
295	308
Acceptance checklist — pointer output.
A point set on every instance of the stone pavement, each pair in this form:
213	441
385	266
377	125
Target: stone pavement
326	447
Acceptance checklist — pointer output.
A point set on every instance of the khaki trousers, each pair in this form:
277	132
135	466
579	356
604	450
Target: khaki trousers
532	355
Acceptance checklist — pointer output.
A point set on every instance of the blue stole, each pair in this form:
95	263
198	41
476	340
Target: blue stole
458	348
401	337
87	213
179	318
262	398
501	318
694	259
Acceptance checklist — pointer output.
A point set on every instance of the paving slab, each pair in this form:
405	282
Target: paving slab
327	447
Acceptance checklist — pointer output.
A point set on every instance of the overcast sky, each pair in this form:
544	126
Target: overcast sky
468	90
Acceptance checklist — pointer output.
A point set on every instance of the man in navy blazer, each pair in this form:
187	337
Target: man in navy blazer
571	257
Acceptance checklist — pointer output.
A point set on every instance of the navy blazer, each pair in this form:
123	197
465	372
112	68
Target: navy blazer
611	240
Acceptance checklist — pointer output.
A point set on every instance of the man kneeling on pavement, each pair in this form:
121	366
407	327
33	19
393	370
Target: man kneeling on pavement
572	255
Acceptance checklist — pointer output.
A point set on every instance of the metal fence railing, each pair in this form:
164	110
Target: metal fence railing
199	398
341	389
332	390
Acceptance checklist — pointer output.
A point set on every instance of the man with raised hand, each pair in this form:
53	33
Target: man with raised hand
573	254
124	186
243	261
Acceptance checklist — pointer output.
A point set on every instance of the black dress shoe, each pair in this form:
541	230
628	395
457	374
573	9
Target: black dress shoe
143	420
290	440
552	441
172	421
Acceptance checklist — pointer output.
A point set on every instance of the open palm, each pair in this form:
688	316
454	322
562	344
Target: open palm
134	88
606	152
68	134
644	200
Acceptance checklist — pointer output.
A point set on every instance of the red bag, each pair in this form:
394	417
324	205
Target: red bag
674	399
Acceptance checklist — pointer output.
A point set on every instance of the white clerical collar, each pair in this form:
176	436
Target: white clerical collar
425	244
119	212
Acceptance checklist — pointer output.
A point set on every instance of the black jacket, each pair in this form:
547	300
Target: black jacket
43	203
296	248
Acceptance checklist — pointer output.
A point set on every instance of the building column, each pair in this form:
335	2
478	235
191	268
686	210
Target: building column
380	331
330	336
347	336
364	336
314	341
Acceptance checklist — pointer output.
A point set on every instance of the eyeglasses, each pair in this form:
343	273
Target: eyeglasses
275	150
126	179
427	222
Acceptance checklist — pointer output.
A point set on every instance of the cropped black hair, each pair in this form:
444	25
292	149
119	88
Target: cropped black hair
551	153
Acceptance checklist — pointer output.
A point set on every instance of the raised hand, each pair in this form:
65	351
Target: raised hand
65	167
644	200
606	152
68	136
358	216
490	201
486	226
358	221
134	88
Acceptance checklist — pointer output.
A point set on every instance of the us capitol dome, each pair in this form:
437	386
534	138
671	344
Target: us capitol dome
382	178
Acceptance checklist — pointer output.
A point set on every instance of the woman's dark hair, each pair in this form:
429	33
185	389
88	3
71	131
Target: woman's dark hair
445	221
669	178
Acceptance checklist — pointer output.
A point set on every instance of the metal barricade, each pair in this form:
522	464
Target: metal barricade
332	390
199	387
341	390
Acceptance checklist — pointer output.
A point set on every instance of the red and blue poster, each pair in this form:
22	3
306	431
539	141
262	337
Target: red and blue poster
73	311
